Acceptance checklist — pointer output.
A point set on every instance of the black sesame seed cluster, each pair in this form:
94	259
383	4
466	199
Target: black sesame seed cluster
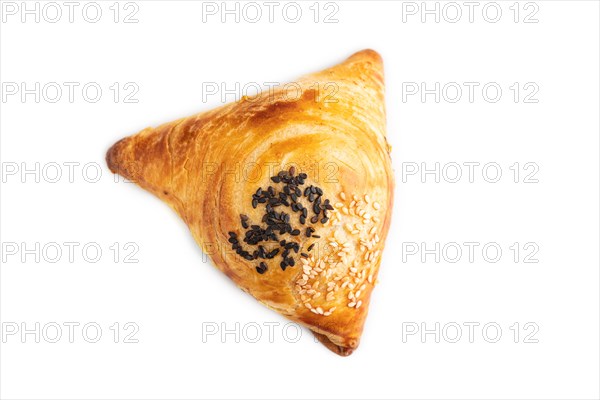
282	209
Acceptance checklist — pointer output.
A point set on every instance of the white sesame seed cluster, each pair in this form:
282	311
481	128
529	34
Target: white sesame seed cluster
340	271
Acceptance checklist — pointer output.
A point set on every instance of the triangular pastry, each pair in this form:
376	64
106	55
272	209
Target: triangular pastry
289	192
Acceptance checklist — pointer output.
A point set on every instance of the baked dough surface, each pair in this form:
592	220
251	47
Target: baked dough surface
329	125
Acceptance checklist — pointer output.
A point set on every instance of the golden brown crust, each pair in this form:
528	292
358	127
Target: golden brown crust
330	125
339	350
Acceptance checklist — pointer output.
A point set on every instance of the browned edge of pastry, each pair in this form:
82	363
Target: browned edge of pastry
339	350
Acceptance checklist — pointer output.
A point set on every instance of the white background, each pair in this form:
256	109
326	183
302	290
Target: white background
172	291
